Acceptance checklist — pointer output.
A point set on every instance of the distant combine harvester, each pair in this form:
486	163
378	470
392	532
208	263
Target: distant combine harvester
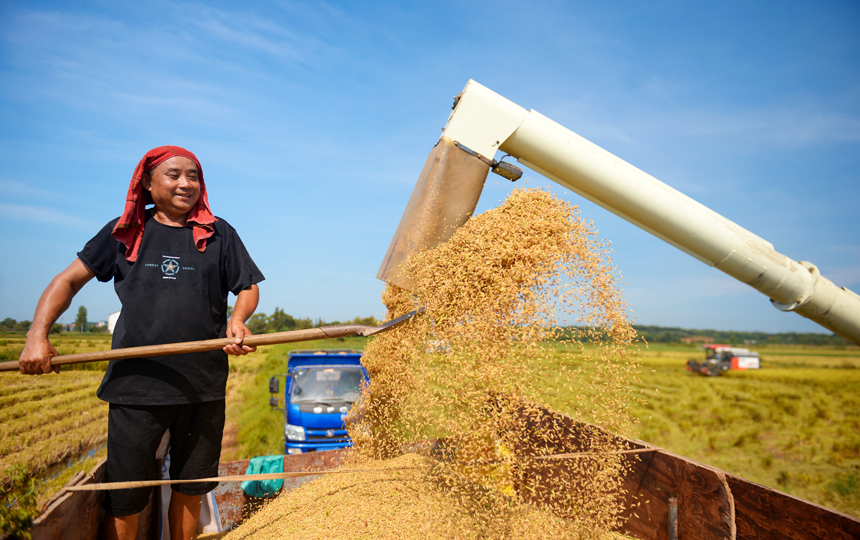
720	358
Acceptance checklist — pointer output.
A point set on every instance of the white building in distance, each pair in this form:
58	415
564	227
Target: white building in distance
112	318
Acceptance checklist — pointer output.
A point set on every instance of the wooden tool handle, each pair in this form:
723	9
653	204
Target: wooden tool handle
293	336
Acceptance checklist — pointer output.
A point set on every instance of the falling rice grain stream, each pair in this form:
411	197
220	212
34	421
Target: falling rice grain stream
467	385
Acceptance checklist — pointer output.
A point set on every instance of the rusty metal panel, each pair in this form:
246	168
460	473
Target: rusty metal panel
234	505
73	515
314	461
705	507
229	495
765	513
705	503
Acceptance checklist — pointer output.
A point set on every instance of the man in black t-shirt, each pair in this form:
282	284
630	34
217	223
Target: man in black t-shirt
173	281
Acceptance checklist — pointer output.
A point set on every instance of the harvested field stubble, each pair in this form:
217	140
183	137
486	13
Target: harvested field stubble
47	420
465	386
52	426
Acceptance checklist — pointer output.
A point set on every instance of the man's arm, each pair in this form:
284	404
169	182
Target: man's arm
246	303
36	357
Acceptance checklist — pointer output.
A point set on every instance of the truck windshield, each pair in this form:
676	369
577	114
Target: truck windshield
326	385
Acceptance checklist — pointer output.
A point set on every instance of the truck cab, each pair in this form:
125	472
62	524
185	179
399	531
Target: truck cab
321	387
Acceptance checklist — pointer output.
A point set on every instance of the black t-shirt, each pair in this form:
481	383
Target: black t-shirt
172	293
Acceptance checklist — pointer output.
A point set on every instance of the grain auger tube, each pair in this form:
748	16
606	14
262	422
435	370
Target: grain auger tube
483	122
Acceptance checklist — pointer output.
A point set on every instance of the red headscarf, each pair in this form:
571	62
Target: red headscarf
129	228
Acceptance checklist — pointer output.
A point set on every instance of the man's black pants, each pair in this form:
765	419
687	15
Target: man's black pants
134	433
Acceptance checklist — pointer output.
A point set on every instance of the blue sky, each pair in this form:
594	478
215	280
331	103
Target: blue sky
312	121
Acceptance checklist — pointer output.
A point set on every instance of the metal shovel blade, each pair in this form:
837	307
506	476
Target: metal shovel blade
394	323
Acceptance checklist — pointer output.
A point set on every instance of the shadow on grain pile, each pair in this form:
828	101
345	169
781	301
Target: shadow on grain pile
444	437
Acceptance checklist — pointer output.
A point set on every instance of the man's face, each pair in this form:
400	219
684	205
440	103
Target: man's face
174	186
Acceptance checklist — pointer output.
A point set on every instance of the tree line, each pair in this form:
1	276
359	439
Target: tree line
11	325
259	323
81	325
279	321
661	334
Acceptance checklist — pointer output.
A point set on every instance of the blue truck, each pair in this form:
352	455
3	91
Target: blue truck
321	387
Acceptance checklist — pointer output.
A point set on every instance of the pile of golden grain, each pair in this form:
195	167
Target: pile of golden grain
523	315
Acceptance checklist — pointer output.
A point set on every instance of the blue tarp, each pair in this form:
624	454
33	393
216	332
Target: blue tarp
264	465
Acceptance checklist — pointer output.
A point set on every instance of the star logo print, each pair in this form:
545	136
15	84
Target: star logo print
170	267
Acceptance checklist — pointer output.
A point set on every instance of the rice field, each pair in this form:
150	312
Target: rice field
50	422
793	425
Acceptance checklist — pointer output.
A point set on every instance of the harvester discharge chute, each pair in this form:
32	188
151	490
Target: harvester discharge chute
483	122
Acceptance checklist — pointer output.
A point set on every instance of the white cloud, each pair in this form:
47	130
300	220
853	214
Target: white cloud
11	188
45	215
247	32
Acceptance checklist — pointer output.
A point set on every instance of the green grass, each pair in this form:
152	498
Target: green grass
51	484
793	425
